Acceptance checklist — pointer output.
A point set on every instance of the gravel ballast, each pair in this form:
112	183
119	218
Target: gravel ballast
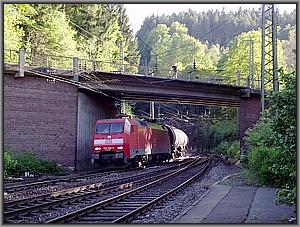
80	181
164	213
167	211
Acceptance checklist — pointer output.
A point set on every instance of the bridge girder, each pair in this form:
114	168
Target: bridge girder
146	88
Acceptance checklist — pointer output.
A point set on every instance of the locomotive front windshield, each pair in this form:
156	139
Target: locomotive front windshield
109	128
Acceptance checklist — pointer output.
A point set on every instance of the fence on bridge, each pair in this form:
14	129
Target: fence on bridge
64	65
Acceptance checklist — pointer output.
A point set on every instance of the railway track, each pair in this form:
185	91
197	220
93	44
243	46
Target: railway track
13	188
123	207
14	211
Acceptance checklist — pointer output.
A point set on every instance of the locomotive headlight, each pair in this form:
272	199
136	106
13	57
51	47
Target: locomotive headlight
97	148
120	147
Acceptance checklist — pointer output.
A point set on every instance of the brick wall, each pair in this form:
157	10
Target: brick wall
41	116
248	115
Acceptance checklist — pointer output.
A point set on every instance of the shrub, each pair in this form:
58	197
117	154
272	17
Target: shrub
9	163
231	149
272	143
225	129
50	167
221	131
28	162
260	135
264	163
287	196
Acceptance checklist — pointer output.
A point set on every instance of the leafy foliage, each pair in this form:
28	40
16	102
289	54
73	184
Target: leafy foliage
13	34
219	127
225	129
272	142
263	161
283	109
233	24
9	163
17	165
289	49
260	135
90	31
101	31
173	45
231	149
235	61
225	37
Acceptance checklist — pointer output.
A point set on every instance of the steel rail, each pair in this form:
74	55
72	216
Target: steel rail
162	197
75	178
78	193
87	210
32	185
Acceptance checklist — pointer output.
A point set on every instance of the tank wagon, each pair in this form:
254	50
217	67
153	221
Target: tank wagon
130	140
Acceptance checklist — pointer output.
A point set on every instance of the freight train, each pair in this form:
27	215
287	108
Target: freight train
130	140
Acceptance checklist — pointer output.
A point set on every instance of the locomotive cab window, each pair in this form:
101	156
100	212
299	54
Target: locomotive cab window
109	128
116	127
102	128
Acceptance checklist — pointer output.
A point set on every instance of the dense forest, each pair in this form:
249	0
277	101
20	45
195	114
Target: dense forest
217	27
90	31
204	45
212	43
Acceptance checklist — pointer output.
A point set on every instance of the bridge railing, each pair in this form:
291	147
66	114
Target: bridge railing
49	63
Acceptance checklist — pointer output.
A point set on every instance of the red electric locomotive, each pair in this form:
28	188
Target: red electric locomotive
127	140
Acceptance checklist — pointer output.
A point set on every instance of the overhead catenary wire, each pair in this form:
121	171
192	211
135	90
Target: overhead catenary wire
72	82
198	38
150	48
92	35
76	25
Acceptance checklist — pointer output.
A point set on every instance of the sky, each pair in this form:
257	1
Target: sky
138	12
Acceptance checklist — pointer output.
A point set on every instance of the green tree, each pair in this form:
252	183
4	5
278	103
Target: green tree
216	27
289	49
144	42
272	142
39	29
214	53
90	31
173	45
130	44
101	30
283	110
14	16
12	34
52	33
236	60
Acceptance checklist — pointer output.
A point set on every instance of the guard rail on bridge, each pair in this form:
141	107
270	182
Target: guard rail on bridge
74	66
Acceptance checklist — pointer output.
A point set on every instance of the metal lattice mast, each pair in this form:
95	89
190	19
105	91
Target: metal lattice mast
268	50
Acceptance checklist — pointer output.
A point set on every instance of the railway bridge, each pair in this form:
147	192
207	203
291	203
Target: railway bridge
55	114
